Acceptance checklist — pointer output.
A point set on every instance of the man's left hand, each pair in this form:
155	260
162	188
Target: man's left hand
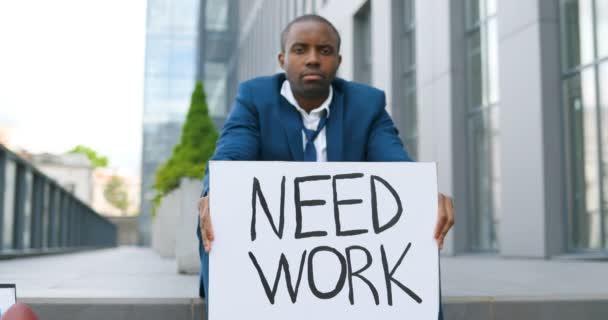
445	218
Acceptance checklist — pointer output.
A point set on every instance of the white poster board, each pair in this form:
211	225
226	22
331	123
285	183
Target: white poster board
8	295
355	241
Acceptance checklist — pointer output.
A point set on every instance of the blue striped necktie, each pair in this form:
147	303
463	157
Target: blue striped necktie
310	152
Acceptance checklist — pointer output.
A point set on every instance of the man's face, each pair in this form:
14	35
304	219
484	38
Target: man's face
311	58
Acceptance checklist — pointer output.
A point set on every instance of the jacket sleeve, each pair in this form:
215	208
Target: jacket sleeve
240	137
239	140
383	143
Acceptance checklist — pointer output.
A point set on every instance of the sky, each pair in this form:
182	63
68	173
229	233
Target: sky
72	72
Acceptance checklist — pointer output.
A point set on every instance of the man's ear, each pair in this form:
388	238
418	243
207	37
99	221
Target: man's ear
339	59
281	58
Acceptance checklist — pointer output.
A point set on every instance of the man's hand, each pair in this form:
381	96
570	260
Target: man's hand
445	218
206	228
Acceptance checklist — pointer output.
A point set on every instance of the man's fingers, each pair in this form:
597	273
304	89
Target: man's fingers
209	229
449	221
441	216
446	209
205	221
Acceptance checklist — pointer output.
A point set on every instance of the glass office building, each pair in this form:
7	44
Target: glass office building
170	75
187	40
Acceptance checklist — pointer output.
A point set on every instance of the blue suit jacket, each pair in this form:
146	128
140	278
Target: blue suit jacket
264	126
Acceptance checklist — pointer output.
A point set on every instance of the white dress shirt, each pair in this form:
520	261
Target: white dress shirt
311	120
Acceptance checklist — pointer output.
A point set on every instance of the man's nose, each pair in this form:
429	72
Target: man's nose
313	58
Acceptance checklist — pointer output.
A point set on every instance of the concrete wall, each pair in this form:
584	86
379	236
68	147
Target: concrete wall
127	233
174	226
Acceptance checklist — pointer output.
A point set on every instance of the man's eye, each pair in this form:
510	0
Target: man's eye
298	50
325	51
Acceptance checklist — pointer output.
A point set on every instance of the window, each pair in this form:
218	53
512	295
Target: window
363	45
404	76
9	204
216	15
585	100
215	88
482	123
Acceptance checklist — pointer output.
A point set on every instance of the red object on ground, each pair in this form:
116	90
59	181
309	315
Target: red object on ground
19	311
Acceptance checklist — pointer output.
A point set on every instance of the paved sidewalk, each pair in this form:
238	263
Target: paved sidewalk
149	287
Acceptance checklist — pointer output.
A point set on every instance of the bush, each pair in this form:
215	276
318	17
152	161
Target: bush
191	154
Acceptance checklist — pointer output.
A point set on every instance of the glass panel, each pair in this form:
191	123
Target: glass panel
27	209
491	6
45	213
9	205
156	90
408	14
577	32
492	62
408	51
215	87
603	69
495	175
182	58
157	55
474	11
580	101
602	27
410	121
363	54
159	16
481	184
217	15
185	16
474	65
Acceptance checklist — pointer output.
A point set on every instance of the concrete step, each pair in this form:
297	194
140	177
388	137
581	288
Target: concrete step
135	283
116	309
472	308
526	308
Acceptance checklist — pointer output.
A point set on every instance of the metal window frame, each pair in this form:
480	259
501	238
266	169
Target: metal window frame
472	112
566	74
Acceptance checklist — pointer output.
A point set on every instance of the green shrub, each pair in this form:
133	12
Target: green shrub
191	154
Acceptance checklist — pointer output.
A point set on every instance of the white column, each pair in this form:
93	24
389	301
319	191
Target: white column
530	129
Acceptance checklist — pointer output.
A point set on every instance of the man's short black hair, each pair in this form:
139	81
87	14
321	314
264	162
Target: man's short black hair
308	17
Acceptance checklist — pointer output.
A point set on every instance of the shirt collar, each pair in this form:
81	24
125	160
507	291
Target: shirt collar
288	94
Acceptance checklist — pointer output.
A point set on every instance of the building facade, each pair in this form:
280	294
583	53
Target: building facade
170	73
509	98
73	172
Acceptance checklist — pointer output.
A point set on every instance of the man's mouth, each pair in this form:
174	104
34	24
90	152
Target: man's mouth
312	77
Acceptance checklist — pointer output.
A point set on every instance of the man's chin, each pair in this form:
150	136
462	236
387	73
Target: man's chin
314	89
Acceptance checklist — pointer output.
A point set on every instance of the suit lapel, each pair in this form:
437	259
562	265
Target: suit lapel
334	126
292	124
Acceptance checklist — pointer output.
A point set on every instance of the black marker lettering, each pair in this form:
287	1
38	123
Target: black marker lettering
311	278
377	227
303	203
357	274
388	276
337	204
283	264
256	193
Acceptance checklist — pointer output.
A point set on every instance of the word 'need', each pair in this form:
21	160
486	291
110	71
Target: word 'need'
375	182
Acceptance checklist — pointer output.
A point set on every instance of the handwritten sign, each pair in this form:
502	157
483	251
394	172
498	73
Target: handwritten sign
323	241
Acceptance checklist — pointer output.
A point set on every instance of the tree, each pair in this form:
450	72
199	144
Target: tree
190	155
97	161
116	194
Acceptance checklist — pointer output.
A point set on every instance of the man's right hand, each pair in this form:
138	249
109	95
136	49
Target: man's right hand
205	221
